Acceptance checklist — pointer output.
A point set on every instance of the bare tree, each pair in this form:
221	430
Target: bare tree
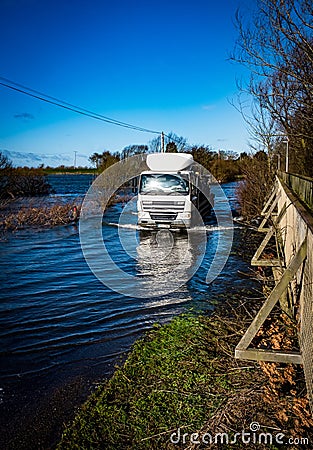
96	159
179	141
277	48
5	163
104	159
135	149
255	187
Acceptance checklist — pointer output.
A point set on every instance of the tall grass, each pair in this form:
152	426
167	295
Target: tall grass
38	216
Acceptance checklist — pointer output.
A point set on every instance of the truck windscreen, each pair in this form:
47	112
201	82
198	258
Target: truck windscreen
163	184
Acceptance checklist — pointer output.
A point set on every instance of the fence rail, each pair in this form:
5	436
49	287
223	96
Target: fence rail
302	186
295	226
289	216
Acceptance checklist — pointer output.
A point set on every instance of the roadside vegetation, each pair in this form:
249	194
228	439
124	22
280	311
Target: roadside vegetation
224	165
275	45
182	378
20	182
61	170
34	215
254	188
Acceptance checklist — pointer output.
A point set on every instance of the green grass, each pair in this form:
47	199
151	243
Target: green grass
173	378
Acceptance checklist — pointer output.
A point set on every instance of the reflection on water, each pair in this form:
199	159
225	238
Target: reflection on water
138	263
166	259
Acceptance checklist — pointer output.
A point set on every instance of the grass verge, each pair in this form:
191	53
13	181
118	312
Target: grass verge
172	379
183	376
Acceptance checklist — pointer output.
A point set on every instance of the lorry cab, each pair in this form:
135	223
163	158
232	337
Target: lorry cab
167	192
164	199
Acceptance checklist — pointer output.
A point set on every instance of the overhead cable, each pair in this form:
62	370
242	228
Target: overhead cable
65	105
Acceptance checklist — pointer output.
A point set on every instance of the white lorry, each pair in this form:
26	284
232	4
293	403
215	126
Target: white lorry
170	191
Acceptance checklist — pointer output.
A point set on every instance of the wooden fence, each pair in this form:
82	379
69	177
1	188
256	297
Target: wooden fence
288	215
300	185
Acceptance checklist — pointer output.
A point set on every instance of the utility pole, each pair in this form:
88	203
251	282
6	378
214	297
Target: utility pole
287	155
75	152
162	142
286	141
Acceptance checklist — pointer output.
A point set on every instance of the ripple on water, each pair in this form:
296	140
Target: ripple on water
58	320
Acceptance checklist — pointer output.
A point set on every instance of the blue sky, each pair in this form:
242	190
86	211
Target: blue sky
159	64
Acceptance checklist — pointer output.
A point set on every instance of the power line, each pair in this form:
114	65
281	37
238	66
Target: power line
74	108
68	106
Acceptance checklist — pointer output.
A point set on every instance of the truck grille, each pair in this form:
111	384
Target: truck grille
161	205
163	217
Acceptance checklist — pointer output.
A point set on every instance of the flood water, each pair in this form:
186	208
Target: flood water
62	330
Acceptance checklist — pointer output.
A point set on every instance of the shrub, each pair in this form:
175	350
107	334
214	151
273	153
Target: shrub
17	182
27	183
256	186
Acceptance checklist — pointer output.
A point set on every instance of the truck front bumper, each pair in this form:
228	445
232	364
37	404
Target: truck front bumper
145	220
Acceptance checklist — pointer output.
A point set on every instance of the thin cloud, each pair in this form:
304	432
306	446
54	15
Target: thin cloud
208	107
35	159
27	157
31	158
25	116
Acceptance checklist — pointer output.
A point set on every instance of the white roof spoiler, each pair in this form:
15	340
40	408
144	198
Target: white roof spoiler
169	162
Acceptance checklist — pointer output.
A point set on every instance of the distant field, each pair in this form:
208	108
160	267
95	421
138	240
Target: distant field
67	170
